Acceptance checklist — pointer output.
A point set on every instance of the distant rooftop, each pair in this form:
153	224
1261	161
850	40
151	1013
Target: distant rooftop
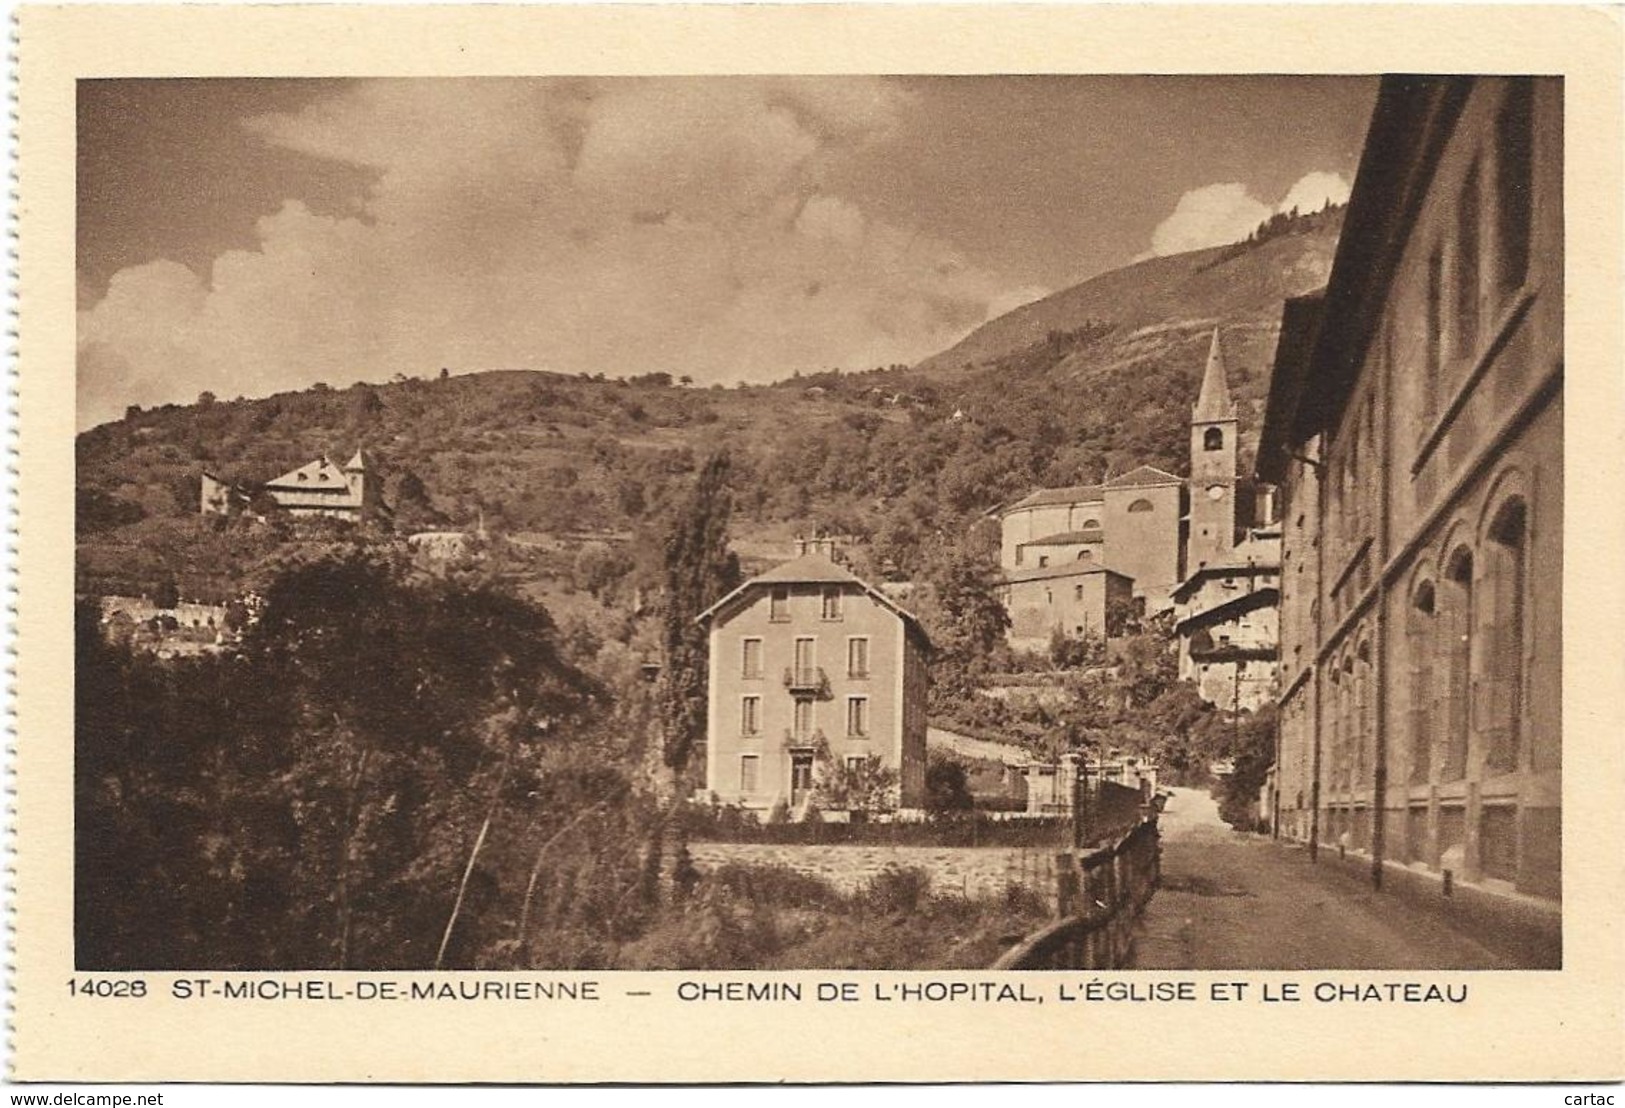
1071	494
1144	475
1067	538
1065	569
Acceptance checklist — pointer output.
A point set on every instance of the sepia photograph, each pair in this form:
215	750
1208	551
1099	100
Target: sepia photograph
852	522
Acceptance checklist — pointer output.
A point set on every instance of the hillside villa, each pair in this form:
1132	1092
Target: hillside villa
318	488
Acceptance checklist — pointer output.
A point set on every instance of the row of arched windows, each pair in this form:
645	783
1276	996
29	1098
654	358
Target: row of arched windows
1466	649
1467	638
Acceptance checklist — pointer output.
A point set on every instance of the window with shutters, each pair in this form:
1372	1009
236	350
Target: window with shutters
831	602
750	715
857	658
750	772
750	663
778	605
857	717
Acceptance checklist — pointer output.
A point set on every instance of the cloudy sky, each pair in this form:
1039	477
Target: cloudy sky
247	237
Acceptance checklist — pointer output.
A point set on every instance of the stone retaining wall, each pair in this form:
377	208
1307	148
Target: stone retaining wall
964	871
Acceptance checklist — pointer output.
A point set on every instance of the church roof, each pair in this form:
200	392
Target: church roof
1214	403
1067	538
1144	476
1070	494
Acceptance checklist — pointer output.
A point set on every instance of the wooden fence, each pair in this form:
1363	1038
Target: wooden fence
1101	895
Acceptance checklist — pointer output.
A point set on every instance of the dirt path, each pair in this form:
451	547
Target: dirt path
1233	901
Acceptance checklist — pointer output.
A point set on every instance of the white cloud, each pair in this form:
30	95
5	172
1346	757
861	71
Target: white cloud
1208	216
1314	191
574	225
1217	214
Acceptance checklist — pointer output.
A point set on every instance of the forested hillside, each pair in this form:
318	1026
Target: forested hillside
1093	380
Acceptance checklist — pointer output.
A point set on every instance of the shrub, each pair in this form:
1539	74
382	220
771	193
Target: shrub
896	890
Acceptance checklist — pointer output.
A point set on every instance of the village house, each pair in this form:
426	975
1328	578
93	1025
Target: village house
319	488
1415	423
1077	598
811	665
1229	624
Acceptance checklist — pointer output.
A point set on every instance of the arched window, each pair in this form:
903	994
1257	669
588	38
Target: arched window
1504	630
1351	736
1419	645
1086	555
1213	439
1141	505
1455	623
1363	731
1091	525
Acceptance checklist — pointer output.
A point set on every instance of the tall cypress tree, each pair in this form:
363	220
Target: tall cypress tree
699	570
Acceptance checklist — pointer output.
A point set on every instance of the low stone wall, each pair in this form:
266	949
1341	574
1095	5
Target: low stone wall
961	871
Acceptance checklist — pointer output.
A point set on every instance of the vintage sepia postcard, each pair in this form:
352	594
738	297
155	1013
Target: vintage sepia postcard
900	540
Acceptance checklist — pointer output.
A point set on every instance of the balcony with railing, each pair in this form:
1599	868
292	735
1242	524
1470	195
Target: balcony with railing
809	681
804	740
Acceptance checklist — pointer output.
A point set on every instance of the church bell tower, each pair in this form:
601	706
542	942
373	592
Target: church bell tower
1213	466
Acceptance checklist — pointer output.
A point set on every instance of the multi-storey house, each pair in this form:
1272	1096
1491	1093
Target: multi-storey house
1229	624
1415	423
810	664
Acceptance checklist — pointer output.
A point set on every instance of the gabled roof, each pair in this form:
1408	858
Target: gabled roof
320	474
1068	538
359	461
807	569
1144	476
1070	494
816	569
1065	569
1253	556
1246	602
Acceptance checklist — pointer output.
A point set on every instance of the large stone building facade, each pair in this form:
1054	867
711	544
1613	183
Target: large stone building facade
809	665
1415	422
